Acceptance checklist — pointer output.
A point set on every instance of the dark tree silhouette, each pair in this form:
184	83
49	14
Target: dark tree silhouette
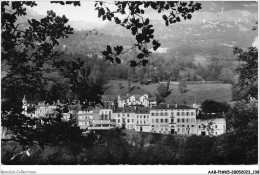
247	85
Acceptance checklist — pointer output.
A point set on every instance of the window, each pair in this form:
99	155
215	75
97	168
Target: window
161	120
172	120
166	114
192	113
183	114
152	120
140	116
118	115
137	116
147	116
156	114
128	121
187	120
166	129
172	114
183	120
144	122
192	120
166	120
183	130
178	129
178	120
133	120
123	115
144	116
137	121
161	113
141	122
192	125
162	129
157	120
187	113
199	126
127	115
216	133
152	113
118	120
178	113
216	126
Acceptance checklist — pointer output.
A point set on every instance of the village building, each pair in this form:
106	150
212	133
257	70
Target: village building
215	126
124	116
174	119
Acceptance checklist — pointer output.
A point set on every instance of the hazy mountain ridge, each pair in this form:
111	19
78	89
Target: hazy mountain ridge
217	26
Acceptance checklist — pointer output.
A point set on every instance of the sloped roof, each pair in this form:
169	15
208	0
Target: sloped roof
137	96
109	97
125	110
142	110
167	106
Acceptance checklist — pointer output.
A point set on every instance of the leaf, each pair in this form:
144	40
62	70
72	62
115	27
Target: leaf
117	20
146	21
165	17
118	60
118	49
134	30
133	63
189	16
109	50
178	19
156	44
140	56
144	62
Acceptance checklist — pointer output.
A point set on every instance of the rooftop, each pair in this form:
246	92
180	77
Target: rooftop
125	109
167	106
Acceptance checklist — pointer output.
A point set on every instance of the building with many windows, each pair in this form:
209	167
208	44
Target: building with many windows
43	110
137	113
174	119
85	117
124	116
142	118
102	119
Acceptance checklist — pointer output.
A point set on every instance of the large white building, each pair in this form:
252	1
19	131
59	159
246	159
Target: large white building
174	119
125	116
143	123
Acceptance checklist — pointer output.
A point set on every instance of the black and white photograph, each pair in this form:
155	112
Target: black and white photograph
126	83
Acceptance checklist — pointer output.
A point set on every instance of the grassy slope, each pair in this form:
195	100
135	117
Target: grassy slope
218	92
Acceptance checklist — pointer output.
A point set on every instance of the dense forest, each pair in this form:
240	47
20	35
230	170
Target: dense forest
89	44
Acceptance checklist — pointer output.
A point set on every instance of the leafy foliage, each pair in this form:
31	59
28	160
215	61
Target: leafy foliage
31	54
141	27
247	85
162	90
211	106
